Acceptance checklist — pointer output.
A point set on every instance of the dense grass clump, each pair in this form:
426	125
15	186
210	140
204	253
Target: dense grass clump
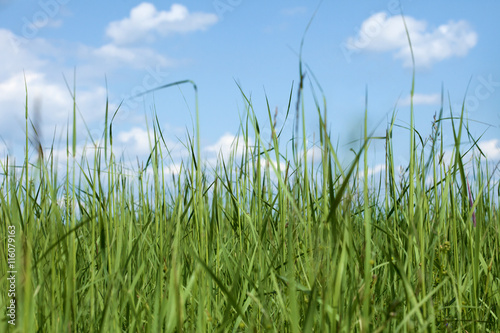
265	240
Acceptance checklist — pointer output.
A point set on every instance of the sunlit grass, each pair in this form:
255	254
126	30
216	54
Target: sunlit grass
265	240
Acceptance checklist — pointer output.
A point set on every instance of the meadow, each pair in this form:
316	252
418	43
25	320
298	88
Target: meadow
266	240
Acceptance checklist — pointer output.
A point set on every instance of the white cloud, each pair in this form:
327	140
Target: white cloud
314	154
17	55
265	163
381	33
145	22
422	99
172	169
136	141
491	149
49	104
37	62
373	170
228	144
118	56
13	90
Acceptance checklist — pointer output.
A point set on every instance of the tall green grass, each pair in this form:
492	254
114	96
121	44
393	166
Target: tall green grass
266	240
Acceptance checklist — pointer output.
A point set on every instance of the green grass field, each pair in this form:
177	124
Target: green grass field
265	241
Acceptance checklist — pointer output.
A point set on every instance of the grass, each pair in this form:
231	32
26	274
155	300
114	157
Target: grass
264	241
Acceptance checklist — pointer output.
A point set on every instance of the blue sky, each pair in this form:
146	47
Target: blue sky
350	47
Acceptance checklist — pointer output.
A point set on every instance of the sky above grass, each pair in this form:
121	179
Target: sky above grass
122	48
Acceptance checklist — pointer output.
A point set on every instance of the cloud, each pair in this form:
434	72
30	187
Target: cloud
228	144
373	170
145	22
314	154
491	149
130	56
172	169
264	163
17	54
422	99
38	63
381	33
136	140
20	54
49	105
